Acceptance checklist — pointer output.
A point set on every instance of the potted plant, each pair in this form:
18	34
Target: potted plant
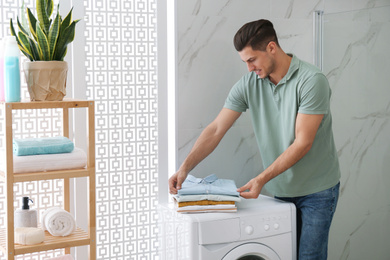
44	42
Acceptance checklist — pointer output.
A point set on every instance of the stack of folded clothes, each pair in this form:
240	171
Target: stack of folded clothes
208	194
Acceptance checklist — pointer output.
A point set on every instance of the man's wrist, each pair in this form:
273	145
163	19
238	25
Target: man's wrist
260	179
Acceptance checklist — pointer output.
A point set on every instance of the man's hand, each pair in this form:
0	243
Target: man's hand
176	181
254	186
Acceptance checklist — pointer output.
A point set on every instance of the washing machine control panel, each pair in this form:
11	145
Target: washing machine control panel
265	225
249	229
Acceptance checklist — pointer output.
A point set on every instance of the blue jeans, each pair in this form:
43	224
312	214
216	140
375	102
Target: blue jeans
314	216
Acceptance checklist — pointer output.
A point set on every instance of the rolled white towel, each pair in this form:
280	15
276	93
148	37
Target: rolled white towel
58	222
29	235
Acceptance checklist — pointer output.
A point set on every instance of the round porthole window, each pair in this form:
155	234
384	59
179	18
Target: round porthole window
251	257
251	251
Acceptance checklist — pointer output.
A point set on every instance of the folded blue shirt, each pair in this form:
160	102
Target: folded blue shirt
46	145
209	185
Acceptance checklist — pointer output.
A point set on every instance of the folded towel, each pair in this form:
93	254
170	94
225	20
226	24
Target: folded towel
65	257
76	159
58	222
29	235
47	145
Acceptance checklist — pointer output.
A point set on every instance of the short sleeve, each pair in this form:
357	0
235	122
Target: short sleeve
236	99
315	95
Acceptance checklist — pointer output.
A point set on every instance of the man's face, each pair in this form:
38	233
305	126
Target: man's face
261	62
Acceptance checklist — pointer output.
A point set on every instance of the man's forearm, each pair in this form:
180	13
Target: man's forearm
295	152
288	158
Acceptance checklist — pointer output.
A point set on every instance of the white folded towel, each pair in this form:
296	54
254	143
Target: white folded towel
58	222
47	162
29	235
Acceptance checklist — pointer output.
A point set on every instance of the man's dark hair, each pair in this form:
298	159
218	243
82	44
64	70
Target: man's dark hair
256	34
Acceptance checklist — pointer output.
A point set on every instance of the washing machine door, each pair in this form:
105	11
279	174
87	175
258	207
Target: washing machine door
251	251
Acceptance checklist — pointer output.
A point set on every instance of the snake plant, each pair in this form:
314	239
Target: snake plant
45	38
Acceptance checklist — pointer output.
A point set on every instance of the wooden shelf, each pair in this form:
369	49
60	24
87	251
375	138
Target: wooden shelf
78	238
66	103
49	175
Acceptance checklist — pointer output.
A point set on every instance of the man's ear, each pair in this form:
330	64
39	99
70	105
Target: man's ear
271	47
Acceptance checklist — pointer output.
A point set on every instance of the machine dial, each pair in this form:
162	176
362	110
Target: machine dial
266	227
249	230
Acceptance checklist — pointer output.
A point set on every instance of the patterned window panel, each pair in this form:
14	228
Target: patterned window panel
121	76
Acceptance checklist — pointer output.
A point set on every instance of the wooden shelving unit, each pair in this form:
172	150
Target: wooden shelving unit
78	238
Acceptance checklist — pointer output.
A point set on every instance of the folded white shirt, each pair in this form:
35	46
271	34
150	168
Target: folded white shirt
207	208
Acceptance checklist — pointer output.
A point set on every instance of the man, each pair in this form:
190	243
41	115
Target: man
288	100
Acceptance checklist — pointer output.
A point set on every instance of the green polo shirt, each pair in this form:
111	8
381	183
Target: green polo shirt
304	89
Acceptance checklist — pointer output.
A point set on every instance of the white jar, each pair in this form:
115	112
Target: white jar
26	217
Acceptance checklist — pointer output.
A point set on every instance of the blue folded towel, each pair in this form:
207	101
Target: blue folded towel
47	145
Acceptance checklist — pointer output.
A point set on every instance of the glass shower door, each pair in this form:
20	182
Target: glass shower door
356	60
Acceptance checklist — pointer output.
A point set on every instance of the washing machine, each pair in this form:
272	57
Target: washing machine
261	229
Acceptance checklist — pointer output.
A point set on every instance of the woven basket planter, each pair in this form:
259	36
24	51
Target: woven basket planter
46	80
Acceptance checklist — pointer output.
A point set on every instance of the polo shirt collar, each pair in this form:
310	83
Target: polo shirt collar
207	180
294	65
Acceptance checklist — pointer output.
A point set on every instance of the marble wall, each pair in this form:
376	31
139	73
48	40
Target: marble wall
358	71
355	62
